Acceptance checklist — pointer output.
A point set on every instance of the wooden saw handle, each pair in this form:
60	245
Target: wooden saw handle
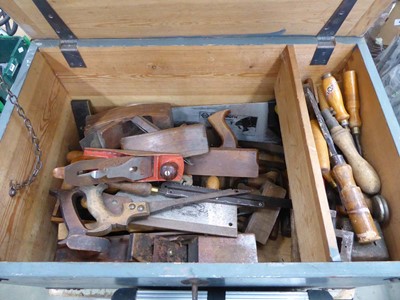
217	120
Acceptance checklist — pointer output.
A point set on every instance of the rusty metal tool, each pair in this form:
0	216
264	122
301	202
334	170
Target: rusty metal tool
159	112
77	238
364	174
376	251
227	160
350	193
108	221
175	190
123	168
187	140
335	99
352	103
108	135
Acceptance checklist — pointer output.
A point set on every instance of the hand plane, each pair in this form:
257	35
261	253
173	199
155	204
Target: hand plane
118	167
227	160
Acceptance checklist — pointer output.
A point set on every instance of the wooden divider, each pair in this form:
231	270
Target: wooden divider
316	236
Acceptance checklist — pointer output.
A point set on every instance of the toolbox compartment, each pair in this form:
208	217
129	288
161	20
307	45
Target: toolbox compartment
192	70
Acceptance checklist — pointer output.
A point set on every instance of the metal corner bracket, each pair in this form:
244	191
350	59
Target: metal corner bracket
326	37
68	43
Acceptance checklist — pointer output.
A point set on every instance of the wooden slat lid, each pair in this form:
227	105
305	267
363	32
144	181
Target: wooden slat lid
166	18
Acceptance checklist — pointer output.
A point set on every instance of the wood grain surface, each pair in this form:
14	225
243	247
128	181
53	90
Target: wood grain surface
379	149
311	211
144	18
27	233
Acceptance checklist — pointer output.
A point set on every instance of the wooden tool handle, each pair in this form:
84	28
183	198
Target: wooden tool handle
213	183
352	100
322	151
364	174
137	188
217	120
353	201
334	97
323	104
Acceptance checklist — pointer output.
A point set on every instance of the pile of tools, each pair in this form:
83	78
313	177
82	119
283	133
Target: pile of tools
353	183
155	183
160	184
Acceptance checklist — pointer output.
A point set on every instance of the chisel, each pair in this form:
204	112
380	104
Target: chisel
352	103
335	99
350	193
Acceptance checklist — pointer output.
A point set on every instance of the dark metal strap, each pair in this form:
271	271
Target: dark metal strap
326	36
68	38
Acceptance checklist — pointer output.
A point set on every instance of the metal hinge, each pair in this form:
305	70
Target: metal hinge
68	43
71	54
325	47
326	37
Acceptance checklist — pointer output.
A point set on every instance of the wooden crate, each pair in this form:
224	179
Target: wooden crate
189	53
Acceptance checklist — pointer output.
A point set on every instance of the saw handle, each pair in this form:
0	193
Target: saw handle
353	201
217	120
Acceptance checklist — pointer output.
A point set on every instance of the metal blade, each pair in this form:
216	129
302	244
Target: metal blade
173	203
324	129
176	190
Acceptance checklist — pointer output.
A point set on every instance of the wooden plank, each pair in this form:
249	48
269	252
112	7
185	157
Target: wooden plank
27	233
316	237
144	18
199	74
368	19
379	149
262	221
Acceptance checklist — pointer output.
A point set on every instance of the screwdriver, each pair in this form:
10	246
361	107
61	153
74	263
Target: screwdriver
352	104
334	97
364	174
350	194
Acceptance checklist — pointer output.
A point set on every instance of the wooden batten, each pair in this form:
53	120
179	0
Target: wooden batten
27	233
179	75
144	18
317	241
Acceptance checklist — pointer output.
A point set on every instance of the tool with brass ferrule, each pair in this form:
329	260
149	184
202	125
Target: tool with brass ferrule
352	103
350	193
108	221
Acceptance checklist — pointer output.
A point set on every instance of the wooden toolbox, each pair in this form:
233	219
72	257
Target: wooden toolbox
191	53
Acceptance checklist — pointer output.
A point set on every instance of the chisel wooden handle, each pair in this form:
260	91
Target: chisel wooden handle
364	174
352	100
353	201
334	97
323	104
322	151
217	120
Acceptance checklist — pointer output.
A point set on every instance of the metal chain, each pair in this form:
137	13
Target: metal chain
15	186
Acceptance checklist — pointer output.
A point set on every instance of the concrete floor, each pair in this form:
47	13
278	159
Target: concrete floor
10	292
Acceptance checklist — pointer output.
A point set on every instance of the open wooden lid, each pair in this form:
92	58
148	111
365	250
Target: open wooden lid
166	18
